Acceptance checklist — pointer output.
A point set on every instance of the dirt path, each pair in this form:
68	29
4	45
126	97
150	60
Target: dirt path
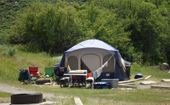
14	90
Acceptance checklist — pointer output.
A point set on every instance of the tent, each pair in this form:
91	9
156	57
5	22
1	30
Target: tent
91	54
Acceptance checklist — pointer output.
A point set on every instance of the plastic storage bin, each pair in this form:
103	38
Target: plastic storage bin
101	85
113	82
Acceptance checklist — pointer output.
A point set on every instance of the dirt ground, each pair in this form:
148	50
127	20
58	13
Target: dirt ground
5	100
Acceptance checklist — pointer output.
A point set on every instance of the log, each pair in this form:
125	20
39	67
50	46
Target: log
126	86
129	83
160	87
121	82
148	77
77	101
165	80
133	80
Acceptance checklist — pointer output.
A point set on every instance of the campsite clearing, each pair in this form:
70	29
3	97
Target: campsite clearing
10	68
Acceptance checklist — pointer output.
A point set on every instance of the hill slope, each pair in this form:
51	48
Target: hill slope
8	12
9	9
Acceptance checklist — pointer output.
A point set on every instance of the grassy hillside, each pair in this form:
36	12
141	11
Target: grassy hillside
10	65
9	9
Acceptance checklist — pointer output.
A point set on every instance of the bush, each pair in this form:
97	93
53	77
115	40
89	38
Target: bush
7	50
11	51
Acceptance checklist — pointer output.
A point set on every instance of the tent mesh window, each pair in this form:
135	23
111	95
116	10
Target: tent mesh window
73	62
111	63
90	62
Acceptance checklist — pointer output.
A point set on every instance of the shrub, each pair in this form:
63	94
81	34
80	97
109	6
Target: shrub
11	51
7	50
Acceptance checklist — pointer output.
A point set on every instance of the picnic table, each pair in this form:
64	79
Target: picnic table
80	75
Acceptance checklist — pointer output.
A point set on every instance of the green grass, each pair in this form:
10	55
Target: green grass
156	73
5	95
10	67
105	96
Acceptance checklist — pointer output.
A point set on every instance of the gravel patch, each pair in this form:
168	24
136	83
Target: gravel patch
14	90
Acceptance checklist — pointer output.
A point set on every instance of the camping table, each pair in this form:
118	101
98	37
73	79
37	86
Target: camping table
74	72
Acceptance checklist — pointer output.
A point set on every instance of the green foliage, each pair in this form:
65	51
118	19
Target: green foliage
146	24
11	51
139	29
8	12
7	50
58	27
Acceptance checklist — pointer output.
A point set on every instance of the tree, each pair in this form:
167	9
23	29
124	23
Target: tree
47	27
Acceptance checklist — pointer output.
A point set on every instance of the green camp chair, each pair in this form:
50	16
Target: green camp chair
49	73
